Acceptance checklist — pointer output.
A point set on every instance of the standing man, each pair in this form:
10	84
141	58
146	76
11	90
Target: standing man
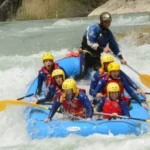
95	42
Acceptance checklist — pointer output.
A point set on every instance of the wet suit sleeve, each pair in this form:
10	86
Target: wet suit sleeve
124	108
94	82
101	104
51	92
82	97
41	78
129	80
114	46
49	95
132	92
91	35
99	87
54	108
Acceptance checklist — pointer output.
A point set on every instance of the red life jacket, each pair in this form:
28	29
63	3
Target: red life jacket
111	107
49	80
110	80
74	107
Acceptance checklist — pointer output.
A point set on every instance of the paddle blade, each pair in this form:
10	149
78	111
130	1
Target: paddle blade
3	106
148	100
147	120
16	102
145	79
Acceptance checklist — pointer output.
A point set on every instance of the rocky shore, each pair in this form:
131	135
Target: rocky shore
123	6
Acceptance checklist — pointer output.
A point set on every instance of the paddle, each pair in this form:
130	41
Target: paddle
147	93
4	103
148	100
124	117
145	79
25	96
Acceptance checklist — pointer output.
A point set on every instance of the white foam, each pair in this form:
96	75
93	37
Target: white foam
65	22
131	20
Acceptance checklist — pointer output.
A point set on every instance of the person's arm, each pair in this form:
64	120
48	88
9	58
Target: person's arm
94	82
99	87
86	103
133	84
91	35
134	95
124	107
115	48
101	104
54	109
41	78
129	80
49	95
114	45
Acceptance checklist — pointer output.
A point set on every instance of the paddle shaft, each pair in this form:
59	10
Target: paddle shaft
127	65
124	117
25	96
133	69
147	93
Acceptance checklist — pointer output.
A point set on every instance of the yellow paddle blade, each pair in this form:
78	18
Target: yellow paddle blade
16	102
145	79
147	120
148	100
2	106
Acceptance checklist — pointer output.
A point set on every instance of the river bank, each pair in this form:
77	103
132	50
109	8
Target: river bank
122	7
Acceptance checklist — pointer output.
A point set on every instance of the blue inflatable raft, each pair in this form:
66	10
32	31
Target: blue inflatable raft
38	129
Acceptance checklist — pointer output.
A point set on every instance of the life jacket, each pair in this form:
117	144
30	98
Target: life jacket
110	80
49	80
74	107
111	107
72	54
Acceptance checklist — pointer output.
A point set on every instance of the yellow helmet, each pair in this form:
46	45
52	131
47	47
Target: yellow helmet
47	56
113	67
57	72
69	84
113	87
106	58
105	16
